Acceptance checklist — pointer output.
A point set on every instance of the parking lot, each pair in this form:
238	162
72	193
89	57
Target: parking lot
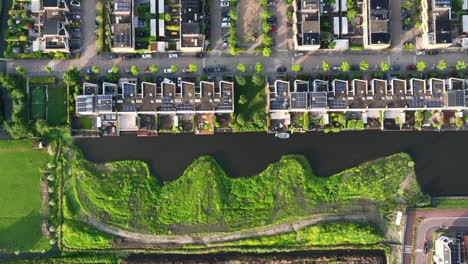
75	30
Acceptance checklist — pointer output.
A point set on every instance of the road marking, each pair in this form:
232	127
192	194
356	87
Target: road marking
408	249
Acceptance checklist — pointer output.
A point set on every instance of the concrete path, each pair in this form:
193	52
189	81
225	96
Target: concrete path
226	237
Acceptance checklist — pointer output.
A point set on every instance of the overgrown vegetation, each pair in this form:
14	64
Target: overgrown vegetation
124	194
250	104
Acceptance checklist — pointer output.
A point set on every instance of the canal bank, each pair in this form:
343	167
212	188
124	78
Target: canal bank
439	157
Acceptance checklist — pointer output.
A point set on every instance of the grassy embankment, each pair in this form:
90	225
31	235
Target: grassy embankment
204	199
20	199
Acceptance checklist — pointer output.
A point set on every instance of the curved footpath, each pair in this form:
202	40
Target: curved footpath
231	236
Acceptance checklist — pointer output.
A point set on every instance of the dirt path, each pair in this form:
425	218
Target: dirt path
225	237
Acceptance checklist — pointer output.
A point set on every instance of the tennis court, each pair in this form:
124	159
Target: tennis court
38	102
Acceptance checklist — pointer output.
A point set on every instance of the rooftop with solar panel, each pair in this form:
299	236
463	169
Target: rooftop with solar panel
129	96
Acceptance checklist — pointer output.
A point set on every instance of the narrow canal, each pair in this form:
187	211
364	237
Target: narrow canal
440	157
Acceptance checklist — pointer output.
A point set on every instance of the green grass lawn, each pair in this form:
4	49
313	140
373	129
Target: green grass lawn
57	105
449	204
20	199
38	102
250	113
204	198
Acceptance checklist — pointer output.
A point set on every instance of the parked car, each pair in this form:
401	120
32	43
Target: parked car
146	56
225	24
76	17
76	30
126	57
281	69
220	68
411	67
420	52
208	69
335	68
226	19
426	247
395	67
167	70
273	29
173	55
127	70
75	3
200	55
89	70
354	67
432	52
224	3
225	44
298	54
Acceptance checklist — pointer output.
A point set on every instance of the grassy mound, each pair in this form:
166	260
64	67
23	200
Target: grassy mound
205	199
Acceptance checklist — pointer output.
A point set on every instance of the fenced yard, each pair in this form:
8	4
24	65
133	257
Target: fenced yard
56	105
48	100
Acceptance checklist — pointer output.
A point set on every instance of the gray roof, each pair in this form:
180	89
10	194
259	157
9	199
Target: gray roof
50	27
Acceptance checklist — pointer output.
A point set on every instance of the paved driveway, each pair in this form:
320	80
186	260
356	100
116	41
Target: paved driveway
281	25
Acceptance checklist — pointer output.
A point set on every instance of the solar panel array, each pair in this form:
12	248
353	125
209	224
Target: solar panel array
84	104
184	108
299	100
122	7
129	108
337	104
128	90
104	102
122	40
416	104
433	103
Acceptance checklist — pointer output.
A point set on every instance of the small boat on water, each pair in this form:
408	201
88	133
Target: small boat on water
282	135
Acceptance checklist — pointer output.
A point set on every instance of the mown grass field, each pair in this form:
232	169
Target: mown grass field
20	199
204	199
57	105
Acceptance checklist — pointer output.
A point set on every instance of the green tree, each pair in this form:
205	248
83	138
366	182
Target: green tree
134	70
240	80
263	2
408	46
384	66
95	69
331	45
418	23
344	66
173	68
241	67
233	50
266	40
351	14
19	69
266	52
441	65
363	65
258	67
114	69
153	68
48	69
461	65
325	66
242	99
420	66
193	67
233	14
407	5
265	14
167	17
257	79
296	68
266	28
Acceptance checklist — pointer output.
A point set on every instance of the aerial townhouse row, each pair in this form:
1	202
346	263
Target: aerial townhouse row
365	96
49	32
129	107
173	25
443	26
366	25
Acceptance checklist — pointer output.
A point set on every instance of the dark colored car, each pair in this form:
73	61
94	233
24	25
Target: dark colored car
89	70
411	67
281	69
220	69
113	56
426	247
395	67
76	29
127	57
208	69
354	67
200	55
432	52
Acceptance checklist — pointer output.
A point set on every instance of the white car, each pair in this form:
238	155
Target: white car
225	24
167	70
298	54
146	56
173	55
75	3
226	19
420	52
224	3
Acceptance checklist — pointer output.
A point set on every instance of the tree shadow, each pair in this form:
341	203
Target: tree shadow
23	234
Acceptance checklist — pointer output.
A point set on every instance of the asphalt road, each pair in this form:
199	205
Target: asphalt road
433	219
